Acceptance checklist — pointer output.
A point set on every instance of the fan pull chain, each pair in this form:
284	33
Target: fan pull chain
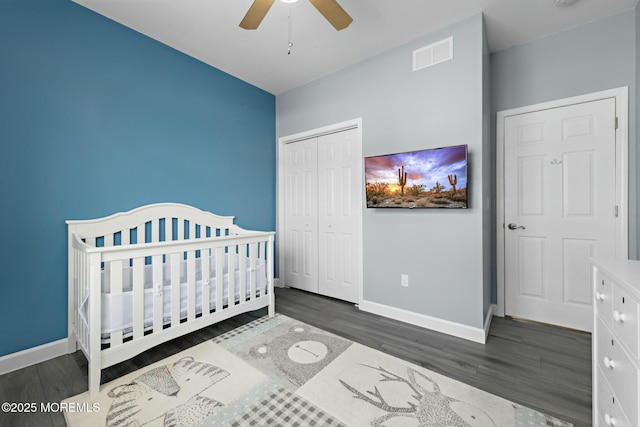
290	41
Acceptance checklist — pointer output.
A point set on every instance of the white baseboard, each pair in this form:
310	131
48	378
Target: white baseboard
31	356
277	283
448	327
487	320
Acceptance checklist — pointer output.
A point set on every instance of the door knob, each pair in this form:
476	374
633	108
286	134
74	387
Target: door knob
619	316
513	226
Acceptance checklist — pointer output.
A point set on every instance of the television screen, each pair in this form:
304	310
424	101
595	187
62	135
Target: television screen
432	178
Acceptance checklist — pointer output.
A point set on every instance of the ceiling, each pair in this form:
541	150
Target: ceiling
208	30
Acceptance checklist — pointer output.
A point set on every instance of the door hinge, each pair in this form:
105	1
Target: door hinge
616	123
616	211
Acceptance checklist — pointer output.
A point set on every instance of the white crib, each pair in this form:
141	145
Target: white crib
143	277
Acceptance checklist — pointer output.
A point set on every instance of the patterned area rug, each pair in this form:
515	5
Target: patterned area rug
281	372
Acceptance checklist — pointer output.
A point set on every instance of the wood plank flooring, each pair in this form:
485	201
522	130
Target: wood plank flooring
539	366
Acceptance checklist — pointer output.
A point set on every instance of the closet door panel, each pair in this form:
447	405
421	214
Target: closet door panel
339	165
301	215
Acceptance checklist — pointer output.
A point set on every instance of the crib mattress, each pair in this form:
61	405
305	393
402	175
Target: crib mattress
117	308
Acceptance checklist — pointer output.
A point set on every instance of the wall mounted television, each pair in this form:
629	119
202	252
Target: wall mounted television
430	178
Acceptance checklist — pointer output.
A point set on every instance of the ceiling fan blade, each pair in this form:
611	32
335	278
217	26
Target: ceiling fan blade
256	14
333	12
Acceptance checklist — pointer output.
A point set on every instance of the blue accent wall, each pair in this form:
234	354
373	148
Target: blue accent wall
95	119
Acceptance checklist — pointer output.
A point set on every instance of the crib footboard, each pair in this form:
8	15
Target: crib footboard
171	286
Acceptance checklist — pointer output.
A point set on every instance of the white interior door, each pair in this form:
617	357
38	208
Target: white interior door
301	215
339	190
560	209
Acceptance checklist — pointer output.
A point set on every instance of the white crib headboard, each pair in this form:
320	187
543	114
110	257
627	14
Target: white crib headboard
173	221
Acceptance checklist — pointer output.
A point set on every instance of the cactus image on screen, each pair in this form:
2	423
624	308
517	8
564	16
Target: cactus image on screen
402	180
453	180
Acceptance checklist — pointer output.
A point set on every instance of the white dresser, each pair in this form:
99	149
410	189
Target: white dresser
616	337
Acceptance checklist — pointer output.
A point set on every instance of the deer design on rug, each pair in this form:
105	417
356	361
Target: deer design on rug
427	407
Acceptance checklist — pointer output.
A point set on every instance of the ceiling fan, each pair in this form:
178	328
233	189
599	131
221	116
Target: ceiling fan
330	9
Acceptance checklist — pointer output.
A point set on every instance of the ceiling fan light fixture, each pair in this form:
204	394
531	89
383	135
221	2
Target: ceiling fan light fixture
288	1
330	9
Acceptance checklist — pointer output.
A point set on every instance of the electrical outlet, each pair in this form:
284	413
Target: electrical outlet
404	280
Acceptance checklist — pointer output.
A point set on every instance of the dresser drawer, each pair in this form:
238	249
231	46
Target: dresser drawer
619	371
608	411
625	319
603	298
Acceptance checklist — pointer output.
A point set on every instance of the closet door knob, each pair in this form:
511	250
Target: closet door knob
609	363
609	420
599	296
619	317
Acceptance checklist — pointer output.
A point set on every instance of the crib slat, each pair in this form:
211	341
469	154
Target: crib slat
155	231
124	241
116	287
138	298
180	228
192	230
253	253
191	285
231	261
84	289
108	240
242	268
141	233
124	236
206	279
175	289
158	299
219	278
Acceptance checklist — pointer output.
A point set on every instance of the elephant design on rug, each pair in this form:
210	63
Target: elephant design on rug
426	407
171	391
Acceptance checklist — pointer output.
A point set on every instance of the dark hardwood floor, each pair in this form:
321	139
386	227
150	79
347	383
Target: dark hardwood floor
545	368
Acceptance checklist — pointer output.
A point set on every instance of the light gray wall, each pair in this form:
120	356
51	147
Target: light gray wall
440	250
634	154
596	56
488	183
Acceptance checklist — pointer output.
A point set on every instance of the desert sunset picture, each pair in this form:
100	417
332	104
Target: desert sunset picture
431	178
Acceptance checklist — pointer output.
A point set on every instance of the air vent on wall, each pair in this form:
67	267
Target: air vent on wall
433	54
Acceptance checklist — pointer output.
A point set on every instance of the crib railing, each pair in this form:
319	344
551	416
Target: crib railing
90	261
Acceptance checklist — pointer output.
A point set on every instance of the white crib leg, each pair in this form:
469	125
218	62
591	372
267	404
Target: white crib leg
272	303
94	379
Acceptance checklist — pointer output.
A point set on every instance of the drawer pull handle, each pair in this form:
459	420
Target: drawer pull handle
619	317
599	296
609	363
609	420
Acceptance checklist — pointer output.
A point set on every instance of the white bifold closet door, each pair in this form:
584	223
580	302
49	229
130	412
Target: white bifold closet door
322	207
301	215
